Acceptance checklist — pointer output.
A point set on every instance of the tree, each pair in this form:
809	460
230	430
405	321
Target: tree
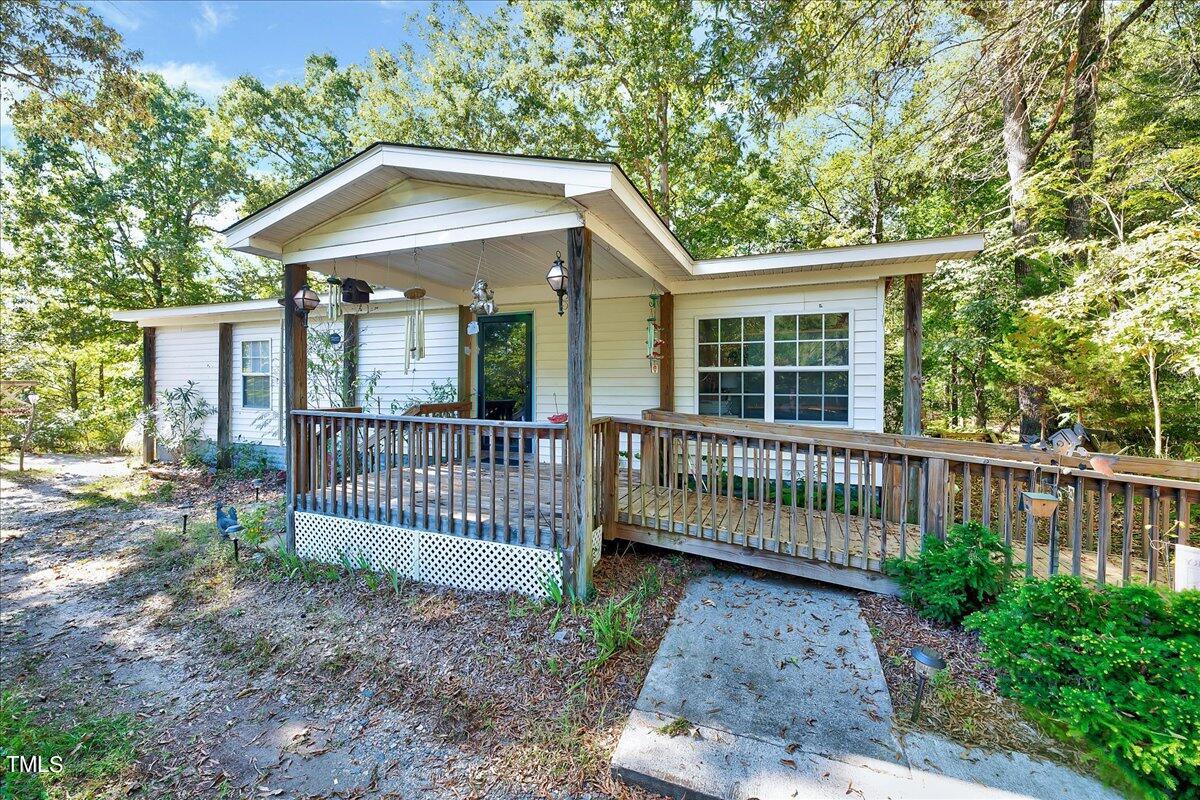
54	51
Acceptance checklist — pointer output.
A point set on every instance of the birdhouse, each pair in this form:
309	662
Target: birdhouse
1039	504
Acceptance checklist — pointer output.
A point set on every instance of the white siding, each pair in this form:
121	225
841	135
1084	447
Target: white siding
183	354
251	424
862	300
381	349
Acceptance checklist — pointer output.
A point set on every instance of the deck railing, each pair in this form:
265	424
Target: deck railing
499	481
771	495
856	503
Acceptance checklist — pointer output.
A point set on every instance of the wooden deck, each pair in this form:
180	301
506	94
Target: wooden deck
830	538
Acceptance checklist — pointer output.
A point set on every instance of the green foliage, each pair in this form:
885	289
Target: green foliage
612	626
1119	666
953	578
180	421
94	750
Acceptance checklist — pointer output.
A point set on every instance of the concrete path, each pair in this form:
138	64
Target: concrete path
772	689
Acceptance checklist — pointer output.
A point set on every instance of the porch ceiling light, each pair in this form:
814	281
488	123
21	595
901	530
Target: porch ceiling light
557	278
305	300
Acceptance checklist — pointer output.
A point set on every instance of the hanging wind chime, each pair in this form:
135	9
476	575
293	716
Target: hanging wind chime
654	342
414	332
333	306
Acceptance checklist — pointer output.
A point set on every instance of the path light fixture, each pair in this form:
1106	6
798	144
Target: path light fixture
557	278
186	508
926	663
304	301
257	484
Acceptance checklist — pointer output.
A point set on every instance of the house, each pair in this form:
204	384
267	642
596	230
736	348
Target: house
793	337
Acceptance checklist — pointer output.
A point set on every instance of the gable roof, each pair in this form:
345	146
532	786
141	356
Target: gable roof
601	191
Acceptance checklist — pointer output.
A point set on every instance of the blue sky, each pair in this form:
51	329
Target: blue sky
209	42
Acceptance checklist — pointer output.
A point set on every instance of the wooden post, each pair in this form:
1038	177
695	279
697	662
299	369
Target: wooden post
912	354
148	394
224	394
609	479
464	357
295	386
577	562
349	359
666	368
935	497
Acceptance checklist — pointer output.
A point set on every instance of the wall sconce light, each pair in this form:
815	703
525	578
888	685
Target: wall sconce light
305	300
557	278
926	663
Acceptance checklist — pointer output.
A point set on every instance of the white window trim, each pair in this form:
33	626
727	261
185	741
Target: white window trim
245	374
769	367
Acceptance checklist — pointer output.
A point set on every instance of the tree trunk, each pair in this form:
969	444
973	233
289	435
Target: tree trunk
979	389
664	146
955	417
100	382
73	385
1015	136
877	211
1089	46
1152	364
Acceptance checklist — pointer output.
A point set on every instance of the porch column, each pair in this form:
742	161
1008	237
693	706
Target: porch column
149	395
295	385
666	367
349	359
465	315
224	394
912	354
577	566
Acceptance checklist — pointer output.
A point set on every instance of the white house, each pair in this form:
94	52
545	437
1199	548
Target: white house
793	337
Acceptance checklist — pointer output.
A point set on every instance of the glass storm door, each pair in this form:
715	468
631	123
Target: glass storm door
505	368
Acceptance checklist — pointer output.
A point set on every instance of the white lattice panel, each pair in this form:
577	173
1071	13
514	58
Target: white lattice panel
429	557
597	543
324	538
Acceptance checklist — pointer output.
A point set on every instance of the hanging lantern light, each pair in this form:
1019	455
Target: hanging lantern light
557	278
304	301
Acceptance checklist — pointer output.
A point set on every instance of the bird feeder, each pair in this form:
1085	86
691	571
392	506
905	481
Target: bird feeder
1039	504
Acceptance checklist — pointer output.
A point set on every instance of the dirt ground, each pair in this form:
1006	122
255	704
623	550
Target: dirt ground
257	679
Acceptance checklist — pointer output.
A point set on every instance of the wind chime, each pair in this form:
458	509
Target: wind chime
654	342
333	306
414	332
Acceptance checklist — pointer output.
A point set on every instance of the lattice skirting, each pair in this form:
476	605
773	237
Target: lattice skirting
432	557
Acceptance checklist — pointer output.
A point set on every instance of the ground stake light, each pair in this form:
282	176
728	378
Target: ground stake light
926	663
185	507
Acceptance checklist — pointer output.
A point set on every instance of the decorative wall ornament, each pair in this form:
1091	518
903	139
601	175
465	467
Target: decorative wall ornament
654	342
483	305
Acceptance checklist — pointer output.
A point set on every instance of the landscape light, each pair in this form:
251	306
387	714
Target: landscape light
926	663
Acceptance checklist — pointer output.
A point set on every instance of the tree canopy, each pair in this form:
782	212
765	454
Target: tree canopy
1068	131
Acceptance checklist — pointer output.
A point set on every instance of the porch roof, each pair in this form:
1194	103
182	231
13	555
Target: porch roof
520	205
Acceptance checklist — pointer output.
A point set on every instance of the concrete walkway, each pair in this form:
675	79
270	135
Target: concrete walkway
772	689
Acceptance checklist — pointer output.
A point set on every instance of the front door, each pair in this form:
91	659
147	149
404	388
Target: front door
505	367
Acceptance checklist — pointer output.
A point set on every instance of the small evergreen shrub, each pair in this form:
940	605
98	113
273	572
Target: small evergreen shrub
1118	666
953	578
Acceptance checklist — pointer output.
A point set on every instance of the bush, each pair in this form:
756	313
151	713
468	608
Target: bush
952	578
1118	666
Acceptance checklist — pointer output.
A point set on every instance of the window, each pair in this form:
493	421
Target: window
804	364
733	367
256	374
812	367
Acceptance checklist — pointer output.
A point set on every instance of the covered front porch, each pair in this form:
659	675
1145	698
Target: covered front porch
524	484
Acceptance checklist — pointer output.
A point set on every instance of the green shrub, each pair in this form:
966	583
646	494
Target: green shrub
952	578
1118	666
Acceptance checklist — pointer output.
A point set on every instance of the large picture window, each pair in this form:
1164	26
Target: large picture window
256	374
783	367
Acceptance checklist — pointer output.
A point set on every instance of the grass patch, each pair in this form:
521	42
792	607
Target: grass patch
122	491
30	475
93	750
677	727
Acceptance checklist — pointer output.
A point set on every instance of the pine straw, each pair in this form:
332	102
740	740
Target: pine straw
485	671
963	703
